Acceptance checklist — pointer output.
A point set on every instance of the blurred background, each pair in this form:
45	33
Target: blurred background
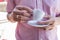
7	32
7	29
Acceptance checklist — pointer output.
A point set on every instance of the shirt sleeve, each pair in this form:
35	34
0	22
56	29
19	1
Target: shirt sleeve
10	5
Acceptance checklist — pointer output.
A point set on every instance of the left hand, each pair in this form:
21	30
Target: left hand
23	13
49	22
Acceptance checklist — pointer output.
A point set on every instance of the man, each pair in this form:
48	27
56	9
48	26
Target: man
21	11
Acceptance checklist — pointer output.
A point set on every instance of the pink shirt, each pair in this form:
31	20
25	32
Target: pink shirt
27	32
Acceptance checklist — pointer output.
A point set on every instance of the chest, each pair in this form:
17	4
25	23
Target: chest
30	3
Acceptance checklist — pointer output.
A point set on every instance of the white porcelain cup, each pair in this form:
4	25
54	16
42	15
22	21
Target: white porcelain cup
38	14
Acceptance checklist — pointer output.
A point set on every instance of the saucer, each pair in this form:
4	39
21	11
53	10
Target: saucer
34	23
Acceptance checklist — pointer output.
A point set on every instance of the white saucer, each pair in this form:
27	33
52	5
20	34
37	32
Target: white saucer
33	23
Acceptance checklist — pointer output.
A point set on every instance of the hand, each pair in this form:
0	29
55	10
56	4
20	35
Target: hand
49	22
22	13
10	17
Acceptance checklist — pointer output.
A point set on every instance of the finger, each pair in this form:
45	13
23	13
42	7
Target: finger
27	15
51	22
23	18
16	11
18	17
24	8
50	27
24	11
48	16
42	23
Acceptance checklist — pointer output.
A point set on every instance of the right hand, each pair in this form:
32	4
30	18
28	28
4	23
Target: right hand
47	21
21	13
